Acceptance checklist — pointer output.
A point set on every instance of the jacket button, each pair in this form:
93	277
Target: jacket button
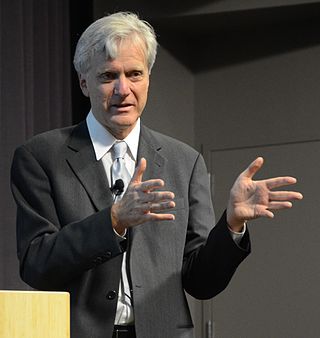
99	260
111	295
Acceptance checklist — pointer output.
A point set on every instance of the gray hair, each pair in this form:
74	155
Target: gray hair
105	35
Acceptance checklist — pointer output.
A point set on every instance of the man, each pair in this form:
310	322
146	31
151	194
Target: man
126	257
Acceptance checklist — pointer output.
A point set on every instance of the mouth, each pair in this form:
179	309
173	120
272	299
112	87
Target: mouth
122	106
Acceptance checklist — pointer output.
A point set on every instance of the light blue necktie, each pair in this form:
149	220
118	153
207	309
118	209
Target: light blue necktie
119	170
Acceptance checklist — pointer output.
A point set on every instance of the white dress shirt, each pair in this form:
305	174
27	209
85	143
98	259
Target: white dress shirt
102	142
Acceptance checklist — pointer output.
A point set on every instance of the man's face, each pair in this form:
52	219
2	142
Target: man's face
118	88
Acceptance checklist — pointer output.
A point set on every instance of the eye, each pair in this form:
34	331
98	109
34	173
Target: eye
135	75
107	76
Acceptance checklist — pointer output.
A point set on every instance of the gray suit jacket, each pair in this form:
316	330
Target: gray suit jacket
66	241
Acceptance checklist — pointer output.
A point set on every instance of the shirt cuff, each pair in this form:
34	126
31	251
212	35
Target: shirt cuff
121	236
237	236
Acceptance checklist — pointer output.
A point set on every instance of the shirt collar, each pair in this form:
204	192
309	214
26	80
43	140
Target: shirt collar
102	140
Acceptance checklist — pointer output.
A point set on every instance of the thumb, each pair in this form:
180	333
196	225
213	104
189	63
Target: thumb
253	168
139	171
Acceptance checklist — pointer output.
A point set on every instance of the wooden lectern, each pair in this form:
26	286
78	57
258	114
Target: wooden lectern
34	314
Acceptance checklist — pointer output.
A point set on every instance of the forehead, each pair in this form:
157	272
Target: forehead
128	55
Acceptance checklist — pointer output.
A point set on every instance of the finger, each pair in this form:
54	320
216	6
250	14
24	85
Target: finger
263	212
150	185
155	207
158	196
253	168
284	195
139	171
277	182
159	217
275	205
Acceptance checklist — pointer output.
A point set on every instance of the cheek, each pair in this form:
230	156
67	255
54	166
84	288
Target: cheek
102	94
144	93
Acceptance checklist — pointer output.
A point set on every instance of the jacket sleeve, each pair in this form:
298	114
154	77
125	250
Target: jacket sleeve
52	254
211	255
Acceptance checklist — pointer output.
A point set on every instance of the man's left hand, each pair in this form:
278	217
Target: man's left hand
251	199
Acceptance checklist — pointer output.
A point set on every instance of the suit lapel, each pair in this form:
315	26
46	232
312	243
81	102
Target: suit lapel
88	170
149	149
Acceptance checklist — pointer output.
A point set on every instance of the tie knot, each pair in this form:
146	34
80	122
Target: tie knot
120	149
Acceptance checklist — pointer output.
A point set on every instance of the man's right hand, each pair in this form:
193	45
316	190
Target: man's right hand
141	202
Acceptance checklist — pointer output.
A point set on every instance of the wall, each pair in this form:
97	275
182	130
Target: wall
235	5
273	99
267	106
170	107
34	97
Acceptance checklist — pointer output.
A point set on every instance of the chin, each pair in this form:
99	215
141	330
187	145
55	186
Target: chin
124	121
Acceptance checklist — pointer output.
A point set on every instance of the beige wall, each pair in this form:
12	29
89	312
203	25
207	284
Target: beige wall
273	99
170	107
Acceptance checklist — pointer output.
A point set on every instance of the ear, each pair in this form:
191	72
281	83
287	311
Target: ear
83	84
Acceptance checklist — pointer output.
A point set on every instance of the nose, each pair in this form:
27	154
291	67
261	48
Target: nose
122	87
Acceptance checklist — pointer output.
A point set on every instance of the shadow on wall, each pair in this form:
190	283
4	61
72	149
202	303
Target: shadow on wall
216	40
148	9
